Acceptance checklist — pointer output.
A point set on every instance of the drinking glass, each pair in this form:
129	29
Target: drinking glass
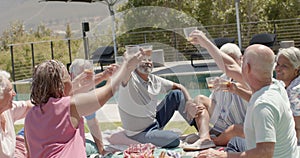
187	31
88	66
217	83
211	81
119	60
132	49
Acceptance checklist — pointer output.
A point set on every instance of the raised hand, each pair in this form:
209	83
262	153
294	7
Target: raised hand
110	70
133	60
199	37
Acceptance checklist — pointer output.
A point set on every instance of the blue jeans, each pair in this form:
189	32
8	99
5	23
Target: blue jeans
236	144
174	101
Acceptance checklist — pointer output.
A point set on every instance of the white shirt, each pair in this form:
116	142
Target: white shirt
8	137
138	101
269	119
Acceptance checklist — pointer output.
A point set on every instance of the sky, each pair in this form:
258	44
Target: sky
52	14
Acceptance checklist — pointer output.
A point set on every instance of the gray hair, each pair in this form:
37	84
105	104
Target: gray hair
77	66
231	48
3	75
292	54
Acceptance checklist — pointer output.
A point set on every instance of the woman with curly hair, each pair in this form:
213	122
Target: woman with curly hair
54	127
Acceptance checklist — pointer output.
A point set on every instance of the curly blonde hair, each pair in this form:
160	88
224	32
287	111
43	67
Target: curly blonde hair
48	81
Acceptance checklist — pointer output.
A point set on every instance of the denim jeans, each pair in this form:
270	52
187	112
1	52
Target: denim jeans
236	144
174	101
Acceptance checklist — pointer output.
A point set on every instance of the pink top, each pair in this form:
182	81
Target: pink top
51	134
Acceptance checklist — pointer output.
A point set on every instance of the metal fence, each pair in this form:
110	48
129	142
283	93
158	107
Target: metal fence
175	46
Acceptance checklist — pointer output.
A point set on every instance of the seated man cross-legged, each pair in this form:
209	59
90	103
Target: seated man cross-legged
143	118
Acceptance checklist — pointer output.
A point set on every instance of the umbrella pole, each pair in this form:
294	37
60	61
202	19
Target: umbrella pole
85	28
112	13
238	22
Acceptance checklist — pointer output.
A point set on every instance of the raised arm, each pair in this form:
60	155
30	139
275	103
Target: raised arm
87	80
86	103
108	72
223	61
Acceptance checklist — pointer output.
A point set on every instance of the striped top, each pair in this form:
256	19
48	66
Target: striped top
229	109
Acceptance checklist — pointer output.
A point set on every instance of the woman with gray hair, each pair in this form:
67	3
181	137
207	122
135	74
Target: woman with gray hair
10	111
76	70
288	70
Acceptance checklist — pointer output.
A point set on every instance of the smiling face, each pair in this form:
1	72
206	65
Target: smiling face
8	95
146	66
285	70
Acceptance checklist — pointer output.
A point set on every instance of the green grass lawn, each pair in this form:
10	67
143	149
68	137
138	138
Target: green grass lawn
181	125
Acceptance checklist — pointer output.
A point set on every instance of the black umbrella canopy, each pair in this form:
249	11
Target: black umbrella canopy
87	1
108	2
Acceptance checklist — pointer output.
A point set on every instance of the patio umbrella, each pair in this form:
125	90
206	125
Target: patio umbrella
109	3
89	1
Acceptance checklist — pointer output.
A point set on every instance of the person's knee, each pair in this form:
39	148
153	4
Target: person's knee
176	92
202	99
177	95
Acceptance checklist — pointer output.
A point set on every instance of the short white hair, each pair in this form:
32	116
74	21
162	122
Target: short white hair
77	67
231	48
3	75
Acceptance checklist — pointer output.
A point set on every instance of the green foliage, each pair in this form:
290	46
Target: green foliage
223	11
17	38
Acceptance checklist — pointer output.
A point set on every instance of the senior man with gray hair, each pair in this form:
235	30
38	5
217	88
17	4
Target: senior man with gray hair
77	72
226	110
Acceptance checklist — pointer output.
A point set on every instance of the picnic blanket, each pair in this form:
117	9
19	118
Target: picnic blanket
116	143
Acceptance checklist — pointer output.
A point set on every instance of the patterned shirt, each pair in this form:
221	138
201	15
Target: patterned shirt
293	91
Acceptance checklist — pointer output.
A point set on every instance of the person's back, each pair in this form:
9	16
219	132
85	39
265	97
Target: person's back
60	141
272	99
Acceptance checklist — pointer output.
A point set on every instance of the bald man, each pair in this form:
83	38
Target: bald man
269	126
